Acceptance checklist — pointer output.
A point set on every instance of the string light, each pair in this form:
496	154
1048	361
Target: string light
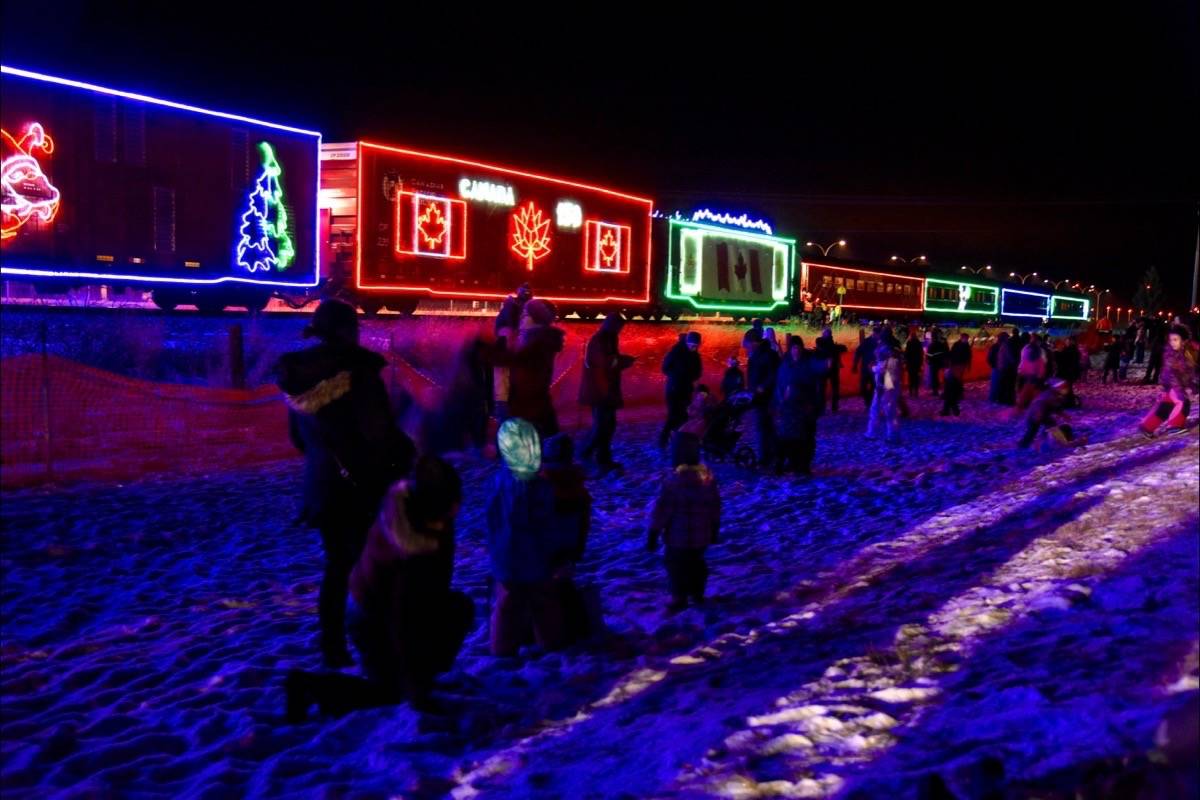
917	283
741	221
437	229
606	246
530	234
1004	293
1054	307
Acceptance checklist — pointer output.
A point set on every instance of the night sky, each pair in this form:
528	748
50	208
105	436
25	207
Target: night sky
1066	145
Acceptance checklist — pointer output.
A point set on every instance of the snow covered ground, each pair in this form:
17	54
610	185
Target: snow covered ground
941	606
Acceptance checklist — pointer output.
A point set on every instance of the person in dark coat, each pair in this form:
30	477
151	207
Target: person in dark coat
506	328
527	541
1112	359
830	352
1044	412
734	380
572	519
994	354
760	380
1157	341
461	422
798	397
340	418
406	622
751	338
600	388
956	375
914	359
686	515
683	368
1067	367
864	359
938	352
531	366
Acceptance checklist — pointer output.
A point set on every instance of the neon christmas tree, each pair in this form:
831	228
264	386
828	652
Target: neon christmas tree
265	242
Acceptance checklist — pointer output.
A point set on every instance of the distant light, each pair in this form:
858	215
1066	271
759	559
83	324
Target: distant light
841	242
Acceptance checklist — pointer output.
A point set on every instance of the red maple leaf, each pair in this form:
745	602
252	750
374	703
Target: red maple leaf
432	225
531	234
608	248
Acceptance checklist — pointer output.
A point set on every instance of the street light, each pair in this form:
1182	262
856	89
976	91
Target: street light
1098	293
1022	277
976	270
909	260
826	248
1057	284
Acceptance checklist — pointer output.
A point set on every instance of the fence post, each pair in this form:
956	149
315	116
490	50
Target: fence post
237	358
47	417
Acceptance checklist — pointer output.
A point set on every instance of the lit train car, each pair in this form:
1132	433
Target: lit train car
403	227
107	187
716	262
1027	303
860	287
956	297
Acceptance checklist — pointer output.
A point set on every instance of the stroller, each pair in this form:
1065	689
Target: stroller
722	436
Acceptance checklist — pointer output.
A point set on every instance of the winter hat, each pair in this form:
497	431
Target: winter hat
520	447
542	312
693	337
685	449
333	320
558	451
827	333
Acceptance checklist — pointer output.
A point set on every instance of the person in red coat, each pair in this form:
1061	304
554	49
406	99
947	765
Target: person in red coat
600	388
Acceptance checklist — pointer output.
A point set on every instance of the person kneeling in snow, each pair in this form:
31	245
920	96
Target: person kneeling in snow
1045	411
687	515
1178	378
406	622
526	541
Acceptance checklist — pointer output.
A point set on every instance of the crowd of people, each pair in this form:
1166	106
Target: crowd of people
386	512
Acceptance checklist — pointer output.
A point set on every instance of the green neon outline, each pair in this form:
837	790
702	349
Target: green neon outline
994	289
789	281
1086	307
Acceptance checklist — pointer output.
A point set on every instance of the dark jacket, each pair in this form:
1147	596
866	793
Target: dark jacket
1067	363
531	371
525	540
602	368
1045	406
340	417
687	510
1112	354
798	394
760	372
864	355
960	358
938	352
572	514
401	579
914	353
828	350
683	368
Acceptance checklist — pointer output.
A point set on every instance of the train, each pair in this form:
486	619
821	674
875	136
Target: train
216	209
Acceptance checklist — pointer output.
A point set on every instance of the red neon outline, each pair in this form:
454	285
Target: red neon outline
397	246
430	291
919	295
523	223
592	264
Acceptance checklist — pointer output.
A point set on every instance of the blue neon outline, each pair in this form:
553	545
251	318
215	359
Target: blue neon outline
1045	296
91	87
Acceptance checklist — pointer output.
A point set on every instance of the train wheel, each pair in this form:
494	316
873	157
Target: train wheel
164	300
370	306
210	305
256	303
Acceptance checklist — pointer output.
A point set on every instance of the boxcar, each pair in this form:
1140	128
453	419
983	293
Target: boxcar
109	187
403	226
719	263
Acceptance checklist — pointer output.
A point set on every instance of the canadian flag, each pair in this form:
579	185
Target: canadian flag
430	225
606	247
